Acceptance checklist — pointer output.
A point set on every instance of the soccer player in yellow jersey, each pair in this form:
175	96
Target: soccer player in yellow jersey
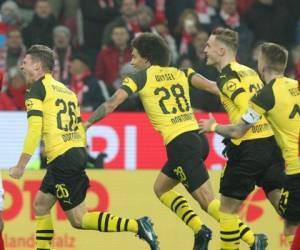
253	159
164	92
279	101
53	114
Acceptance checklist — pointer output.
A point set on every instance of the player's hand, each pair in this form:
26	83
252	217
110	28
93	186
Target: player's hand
206	125
16	172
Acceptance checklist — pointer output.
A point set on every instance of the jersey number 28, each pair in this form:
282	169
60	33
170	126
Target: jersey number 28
176	91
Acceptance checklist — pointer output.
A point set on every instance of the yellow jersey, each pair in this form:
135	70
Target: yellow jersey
164	92
279	101
237	84
59	124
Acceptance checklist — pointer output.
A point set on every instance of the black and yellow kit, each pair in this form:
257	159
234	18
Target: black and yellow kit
53	113
54	116
247	163
164	92
279	101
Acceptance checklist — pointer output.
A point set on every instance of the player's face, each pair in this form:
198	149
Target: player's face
137	61
27	67
212	51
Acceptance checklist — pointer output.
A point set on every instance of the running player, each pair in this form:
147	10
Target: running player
53	114
164	92
255	158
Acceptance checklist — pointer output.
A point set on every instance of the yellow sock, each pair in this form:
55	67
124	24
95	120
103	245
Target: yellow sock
179	205
105	222
229	231
213	209
44	232
290	239
245	232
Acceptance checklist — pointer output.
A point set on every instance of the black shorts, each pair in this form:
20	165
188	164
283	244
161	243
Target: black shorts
186	155
254	162
289	204
66	178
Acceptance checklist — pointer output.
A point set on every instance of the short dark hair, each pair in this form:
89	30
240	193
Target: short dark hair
275	56
43	54
227	36
153	48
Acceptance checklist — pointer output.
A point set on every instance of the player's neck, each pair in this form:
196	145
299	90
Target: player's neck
39	75
225	61
268	77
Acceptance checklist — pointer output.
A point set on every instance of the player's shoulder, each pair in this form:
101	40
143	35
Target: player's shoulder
36	90
138	76
227	75
265	97
188	72
287	81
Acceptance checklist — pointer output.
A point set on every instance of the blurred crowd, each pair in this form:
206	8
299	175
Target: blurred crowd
91	39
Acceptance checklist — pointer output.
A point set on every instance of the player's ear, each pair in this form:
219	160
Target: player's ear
221	51
38	66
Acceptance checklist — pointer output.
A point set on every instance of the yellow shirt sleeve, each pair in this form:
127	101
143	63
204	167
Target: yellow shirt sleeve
34	133
35	122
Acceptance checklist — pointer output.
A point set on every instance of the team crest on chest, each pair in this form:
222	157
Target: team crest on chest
231	86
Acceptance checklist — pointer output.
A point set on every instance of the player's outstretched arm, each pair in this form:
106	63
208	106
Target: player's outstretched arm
107	107
230	130
200	82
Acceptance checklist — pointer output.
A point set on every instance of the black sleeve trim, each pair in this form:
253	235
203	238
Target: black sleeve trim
265	98
37	91
140	79
34	113
185	71
236	93
127	89
190	78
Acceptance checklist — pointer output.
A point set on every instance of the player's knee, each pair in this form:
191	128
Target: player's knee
40	209
76	222
157	190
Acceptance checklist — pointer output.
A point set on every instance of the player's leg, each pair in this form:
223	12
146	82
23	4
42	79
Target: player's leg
71	188
80	218
229	222
44	227
163	188
296	241
184	165
273	177
289	205
274	197
176	202
289	230
238	180
205	196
